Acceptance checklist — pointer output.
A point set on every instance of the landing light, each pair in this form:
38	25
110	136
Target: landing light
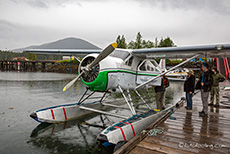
219	47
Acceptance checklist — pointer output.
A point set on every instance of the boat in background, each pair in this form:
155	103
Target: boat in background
178	74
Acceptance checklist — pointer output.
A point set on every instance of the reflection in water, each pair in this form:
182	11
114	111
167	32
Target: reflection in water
74	136
203	132
214	119
204	127
214	110
188	127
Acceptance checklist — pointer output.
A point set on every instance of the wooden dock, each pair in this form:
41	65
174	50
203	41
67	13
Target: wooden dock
188	133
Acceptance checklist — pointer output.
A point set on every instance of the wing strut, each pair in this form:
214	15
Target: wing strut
166	72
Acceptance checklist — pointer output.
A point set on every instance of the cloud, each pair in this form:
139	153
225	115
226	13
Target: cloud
32	3
217	6
37	3
187	22
14	35
46	4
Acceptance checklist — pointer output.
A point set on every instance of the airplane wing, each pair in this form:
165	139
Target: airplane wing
64	52
220	50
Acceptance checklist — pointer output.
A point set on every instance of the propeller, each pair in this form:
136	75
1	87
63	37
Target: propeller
109	49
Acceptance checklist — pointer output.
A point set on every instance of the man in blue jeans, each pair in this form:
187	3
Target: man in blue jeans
189	85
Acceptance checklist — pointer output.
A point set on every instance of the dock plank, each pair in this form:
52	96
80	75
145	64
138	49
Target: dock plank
162	148
175	130
204	126
182	144
141	150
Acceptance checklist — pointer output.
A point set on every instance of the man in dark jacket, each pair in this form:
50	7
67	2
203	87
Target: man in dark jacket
189	85
160	93
205	82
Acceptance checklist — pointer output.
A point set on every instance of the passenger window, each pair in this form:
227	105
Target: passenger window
149	66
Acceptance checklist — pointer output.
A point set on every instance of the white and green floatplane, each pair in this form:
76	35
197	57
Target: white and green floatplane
119	70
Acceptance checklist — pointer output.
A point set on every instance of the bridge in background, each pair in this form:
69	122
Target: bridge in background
22	65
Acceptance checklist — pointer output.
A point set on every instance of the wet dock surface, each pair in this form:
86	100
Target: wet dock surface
186	132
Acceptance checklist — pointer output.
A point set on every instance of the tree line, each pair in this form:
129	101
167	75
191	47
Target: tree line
9	55
140	43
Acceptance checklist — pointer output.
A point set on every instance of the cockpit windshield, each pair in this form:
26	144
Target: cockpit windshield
120	54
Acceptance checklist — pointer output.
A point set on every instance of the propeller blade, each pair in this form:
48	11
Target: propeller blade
73	81
109	49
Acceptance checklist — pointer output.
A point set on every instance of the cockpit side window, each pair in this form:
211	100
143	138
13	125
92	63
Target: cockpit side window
142	67
129	61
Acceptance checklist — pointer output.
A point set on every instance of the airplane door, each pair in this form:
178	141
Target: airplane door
146	71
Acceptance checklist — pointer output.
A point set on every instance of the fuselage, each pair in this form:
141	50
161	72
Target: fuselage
120	68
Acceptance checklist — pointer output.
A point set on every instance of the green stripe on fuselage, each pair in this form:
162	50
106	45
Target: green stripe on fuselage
100	83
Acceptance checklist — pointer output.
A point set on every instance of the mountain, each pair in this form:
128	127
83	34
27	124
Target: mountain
66	43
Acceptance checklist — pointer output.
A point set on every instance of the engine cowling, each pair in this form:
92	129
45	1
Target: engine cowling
90	75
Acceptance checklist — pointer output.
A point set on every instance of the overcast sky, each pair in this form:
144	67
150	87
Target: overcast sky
187	22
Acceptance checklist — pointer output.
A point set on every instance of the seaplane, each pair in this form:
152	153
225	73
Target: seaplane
114	70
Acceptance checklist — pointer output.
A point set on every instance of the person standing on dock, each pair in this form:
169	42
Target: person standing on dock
189	86
204	83
217	77
160	93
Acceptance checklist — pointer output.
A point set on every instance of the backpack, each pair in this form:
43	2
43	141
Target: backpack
166	82
198	85
221	78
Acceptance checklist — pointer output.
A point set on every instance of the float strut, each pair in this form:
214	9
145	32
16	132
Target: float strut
130	107
142	99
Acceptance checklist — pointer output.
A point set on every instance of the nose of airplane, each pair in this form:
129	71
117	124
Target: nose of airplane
33	115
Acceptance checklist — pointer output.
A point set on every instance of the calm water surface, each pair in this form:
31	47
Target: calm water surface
23	93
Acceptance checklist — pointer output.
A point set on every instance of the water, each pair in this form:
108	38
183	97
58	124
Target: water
23	93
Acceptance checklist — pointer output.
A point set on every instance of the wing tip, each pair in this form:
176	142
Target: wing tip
114	45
